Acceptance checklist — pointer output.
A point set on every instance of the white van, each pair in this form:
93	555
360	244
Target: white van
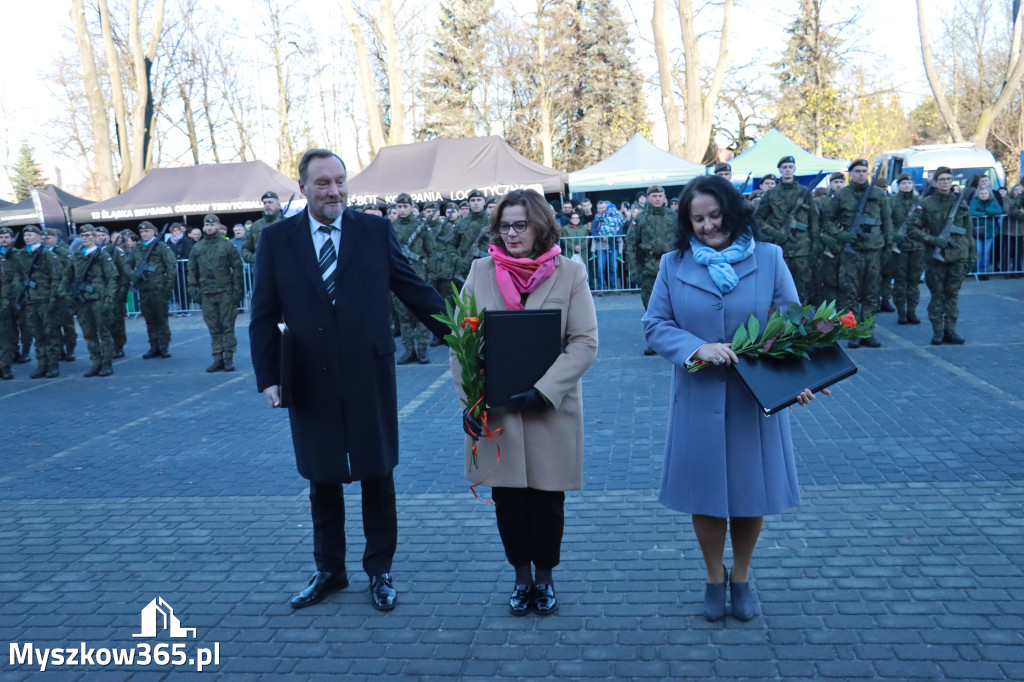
963	158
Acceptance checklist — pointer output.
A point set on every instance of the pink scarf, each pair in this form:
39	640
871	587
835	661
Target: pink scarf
518	276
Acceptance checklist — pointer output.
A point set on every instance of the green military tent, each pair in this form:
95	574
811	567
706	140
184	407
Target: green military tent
763	158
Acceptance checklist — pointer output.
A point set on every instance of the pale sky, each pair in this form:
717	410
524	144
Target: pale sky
757	38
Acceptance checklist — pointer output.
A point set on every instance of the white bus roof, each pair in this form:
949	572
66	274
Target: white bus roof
931	156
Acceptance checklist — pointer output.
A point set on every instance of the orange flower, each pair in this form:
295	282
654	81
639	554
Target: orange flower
848	320
473	322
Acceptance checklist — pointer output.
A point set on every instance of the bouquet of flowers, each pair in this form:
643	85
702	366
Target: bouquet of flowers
467	341
790	333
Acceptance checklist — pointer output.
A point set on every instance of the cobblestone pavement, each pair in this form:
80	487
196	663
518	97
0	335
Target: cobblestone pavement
904	561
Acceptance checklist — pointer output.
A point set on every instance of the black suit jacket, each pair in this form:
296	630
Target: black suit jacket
344	414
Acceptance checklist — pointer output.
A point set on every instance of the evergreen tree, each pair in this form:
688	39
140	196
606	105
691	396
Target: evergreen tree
26	173
809	108
607	105
454	70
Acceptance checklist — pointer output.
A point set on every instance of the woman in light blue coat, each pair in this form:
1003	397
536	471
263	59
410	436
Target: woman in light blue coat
725	462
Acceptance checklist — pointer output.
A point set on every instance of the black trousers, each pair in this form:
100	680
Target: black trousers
530	523
380	525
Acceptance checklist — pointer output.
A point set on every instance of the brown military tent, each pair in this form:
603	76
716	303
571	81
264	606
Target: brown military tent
449	169
192	190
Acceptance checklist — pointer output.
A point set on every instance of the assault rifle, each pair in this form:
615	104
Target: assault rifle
143	269
26	281
791	223
407	247
82	285
746	182
949	229
901	233
856	226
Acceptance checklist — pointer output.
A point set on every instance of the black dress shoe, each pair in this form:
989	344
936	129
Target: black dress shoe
320	585
382	592
544	600
521	601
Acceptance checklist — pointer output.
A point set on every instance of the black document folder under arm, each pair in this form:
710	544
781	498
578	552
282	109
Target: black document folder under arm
775	383
519	347
287	352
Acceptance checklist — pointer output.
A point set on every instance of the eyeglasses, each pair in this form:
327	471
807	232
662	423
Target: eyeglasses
518	226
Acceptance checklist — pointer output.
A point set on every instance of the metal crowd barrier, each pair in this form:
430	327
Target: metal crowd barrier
1000	244
181	301
607	267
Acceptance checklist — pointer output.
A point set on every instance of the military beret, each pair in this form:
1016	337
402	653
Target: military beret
674	200
463	205
836	176
269	195
50	232
32	228
881	182
210	218
858	162
941	170
770	176
905	176
403	198
146	225
719	167
475	194
654	189
82	229
100	228
6	230
785	159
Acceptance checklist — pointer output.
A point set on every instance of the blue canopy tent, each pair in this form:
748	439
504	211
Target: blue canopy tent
636	165
763	158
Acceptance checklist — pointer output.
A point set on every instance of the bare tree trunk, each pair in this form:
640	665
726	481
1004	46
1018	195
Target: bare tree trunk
97	106
933	79
1014	74
285	151
545	134
142	110
116	89
190	121
673	117
700	106
374	126
396	80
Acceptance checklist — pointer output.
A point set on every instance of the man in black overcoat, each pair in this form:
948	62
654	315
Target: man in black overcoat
327	273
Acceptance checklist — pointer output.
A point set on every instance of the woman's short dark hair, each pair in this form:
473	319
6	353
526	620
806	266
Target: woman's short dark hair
538	213
737	214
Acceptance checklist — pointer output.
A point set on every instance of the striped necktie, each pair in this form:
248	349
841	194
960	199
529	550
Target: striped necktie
328	261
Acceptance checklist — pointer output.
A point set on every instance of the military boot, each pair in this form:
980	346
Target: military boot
40	371
870	342
5	373
950	336
105	369
53	371
901	314
218	364
23	358
936	337
229	363
912	316
153	352
885	305
92	371
408	358
164	353
69	356
118	353
421	355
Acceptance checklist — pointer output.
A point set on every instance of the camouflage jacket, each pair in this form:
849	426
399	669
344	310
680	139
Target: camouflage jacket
214	267
653	235
902	205
877	232
252	237
162	258
799	238
420	248
120	260
44	286
98	284
931	217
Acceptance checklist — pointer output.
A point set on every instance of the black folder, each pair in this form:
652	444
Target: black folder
287	381
775	383
519	347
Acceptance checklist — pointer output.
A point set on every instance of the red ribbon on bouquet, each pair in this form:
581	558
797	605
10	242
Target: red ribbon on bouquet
492	436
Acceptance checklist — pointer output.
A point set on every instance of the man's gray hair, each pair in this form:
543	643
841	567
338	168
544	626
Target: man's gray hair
316	154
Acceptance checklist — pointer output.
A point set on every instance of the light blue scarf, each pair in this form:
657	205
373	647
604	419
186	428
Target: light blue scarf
719	263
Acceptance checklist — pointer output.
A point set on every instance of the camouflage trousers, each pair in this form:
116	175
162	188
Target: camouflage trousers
944	281
93	317
44	326
802	270
155	304
8	335
828	279
219	313
907	269
860	276
116	318
647	278
68	334
414	334
888	273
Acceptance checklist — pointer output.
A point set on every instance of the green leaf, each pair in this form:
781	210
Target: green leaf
754	329
795	313
775	325
740	338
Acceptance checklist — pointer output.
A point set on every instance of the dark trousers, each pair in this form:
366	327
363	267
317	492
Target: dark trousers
380	525
530	523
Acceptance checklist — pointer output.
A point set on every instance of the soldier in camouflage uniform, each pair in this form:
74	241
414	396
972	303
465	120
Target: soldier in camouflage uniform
65	318
215	282
944	277
124	274
8	328
860	264
826	260
441	264
653	235
155	283
271	214
18	329
474	233
797	237
888	269
416	244
36	288
90	283
908	264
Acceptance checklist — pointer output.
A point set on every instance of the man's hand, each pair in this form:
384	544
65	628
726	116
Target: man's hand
273	395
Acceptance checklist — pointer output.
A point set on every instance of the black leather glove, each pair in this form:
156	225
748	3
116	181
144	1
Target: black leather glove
530	400
473	427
